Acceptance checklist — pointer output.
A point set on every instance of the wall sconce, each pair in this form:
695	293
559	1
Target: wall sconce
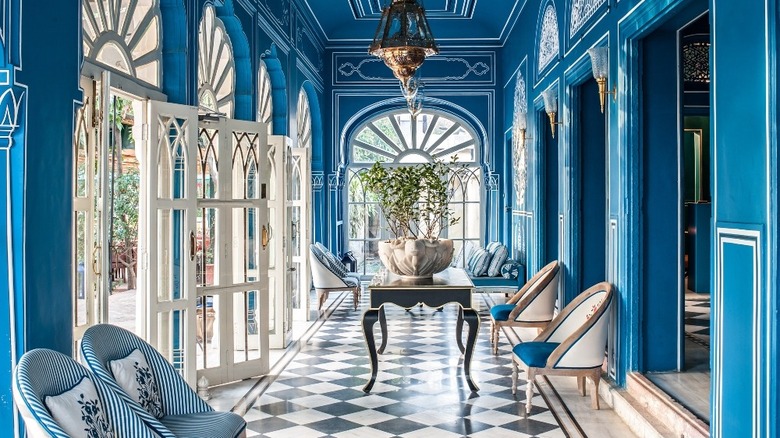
599	60
520	126
550	97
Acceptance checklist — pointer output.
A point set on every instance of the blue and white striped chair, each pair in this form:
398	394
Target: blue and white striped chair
42	372
330	275
183	413
532	306
572	345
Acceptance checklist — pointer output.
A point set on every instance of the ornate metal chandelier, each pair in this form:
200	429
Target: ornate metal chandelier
403	40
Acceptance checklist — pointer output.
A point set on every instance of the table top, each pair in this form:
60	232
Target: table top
450	278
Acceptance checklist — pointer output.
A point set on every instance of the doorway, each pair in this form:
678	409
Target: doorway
676	212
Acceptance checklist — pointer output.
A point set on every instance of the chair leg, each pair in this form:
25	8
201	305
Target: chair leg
581	386
529	389
322	296
594	396
514	375
356	296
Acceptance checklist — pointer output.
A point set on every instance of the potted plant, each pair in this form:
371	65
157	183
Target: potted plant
415	203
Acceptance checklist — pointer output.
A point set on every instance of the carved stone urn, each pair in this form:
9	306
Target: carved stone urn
416	258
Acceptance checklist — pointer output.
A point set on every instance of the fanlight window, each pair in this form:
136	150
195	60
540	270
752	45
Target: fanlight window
396	139
264	99
124	35
304	120
216	69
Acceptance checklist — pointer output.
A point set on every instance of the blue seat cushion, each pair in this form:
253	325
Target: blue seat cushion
500	312
205	424
535	354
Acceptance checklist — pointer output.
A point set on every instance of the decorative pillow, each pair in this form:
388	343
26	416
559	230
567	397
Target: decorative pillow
478	262
492	246
497	260
330	260
135	376
79	412
510	269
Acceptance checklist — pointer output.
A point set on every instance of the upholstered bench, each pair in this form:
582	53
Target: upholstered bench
490	269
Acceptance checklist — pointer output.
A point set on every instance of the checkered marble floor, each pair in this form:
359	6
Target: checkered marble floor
697	318
420	389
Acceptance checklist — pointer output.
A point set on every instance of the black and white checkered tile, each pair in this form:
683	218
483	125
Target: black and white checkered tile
697	318
420	389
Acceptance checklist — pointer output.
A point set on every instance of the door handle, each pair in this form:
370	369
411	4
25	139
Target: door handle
95	262
291	269
192	246
264	237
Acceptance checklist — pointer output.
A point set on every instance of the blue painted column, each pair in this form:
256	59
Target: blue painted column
41	80
744	304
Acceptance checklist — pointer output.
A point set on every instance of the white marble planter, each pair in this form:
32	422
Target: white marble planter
416	258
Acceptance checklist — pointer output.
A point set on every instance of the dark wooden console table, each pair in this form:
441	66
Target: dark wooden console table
452	285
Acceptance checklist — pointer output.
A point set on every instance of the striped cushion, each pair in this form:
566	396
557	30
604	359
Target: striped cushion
492	246
328	259
478	262
510	269
497	259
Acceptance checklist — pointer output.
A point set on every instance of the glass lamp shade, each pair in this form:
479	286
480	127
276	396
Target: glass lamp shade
521	121
403	39
550	97
599	59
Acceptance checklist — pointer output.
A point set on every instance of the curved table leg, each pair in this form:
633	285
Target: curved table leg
459	330
370	317
472	318
383	326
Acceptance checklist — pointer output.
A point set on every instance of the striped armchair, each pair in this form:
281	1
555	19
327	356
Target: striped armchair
41	373
330	275
183	414
572	345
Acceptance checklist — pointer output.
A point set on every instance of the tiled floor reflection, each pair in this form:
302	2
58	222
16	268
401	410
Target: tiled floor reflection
420	390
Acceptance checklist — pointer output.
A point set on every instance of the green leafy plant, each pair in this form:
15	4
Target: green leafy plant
413	199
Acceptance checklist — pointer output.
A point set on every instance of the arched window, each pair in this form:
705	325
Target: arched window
264	99
124	35
216	70
304	120
396	138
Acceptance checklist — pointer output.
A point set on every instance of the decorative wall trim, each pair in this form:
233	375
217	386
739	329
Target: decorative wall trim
548	41
10	102
355	68
372	9
313	59
736	234
519	143
581	13
491	181
317	180
613	267
335	181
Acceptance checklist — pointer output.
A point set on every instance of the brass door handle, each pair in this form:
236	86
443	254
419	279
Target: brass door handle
264	237
95	263
192	246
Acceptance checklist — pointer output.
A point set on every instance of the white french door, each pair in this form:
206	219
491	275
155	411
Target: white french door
167	230
231	250
280	270
299	212
91	282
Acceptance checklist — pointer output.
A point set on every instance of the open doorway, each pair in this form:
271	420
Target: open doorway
676	209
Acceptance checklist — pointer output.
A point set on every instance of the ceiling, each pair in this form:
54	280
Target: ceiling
452	22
